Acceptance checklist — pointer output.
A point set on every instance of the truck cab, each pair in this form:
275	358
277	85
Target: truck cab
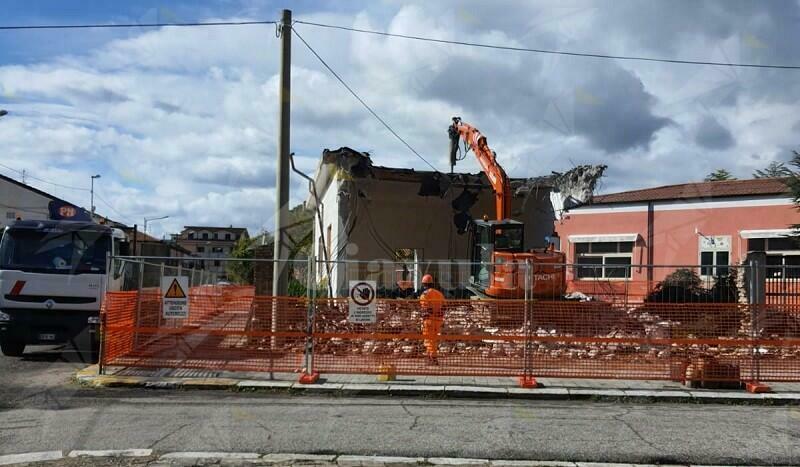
52	282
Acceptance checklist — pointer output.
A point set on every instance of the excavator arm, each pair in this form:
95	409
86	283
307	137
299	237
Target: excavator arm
486	157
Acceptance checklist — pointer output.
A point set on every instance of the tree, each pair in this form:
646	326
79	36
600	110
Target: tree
299	236
241	272
775	169
719	175
681	286
300	231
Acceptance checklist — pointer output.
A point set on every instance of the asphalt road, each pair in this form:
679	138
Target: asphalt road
41	410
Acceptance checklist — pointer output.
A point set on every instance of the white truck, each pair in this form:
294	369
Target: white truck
52	281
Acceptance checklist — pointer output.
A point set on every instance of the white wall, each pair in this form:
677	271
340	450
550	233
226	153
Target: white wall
330	210
16	201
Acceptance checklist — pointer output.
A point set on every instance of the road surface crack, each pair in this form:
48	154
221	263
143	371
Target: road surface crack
627	424
159	440
269	432
415	423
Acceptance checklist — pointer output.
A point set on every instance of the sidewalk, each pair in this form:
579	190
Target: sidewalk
433	386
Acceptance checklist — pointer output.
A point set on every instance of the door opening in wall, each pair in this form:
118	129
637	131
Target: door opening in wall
407	272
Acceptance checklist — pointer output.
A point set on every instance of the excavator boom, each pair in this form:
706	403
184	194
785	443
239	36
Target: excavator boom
498	246
488	160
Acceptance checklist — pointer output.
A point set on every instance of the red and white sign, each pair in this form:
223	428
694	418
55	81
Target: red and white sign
363	309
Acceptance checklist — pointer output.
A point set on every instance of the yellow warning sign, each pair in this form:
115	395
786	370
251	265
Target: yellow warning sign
175	290
175	303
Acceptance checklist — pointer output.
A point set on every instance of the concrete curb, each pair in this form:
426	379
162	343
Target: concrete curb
285	459
90	378
113	453
28	457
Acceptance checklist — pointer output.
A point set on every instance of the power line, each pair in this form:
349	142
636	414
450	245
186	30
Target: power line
547	51
28	175
122	216
132	25
359	99
403	36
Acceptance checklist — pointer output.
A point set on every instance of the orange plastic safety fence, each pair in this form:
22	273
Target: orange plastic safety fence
778	348
223	331
612	291
119	314
478	338
229	328
688	341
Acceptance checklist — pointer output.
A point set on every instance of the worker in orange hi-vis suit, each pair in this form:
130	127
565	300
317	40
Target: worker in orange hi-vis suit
431	302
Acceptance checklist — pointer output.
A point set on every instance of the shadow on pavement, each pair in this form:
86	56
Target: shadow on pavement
65	354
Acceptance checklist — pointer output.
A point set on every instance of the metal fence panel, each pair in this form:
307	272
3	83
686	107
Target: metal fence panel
475	337
681	327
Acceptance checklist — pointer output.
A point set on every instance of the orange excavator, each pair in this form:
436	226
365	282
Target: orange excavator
498	253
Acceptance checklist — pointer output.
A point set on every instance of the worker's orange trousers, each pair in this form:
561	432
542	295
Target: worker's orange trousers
431	329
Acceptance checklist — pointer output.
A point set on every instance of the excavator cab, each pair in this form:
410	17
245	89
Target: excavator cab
499	259
490	237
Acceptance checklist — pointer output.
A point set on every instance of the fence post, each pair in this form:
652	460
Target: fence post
756	294
309	376
527	380
139	303
101	335
161	312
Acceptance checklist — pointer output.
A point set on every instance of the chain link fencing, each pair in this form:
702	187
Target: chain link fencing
737	324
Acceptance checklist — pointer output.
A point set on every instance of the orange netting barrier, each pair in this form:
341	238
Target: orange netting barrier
225	330
229	328
478	338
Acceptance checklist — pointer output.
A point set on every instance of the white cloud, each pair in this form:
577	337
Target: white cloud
183	122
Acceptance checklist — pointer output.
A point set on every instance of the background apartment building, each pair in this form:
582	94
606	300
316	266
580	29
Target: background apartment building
213	243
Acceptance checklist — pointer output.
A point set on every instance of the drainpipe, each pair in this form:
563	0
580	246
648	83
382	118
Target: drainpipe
312	187
650	234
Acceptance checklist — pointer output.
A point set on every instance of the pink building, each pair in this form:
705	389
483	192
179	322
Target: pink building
710	224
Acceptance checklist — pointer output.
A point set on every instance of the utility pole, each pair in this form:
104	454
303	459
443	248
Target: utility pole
281	252
150	219
91	205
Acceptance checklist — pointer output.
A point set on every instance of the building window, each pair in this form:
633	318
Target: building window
227	236
201	249
606	260
783	255
205	235
711	259
217	249
216	236
190	235
715	254
216	262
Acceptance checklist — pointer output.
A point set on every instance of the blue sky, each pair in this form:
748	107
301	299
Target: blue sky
182	122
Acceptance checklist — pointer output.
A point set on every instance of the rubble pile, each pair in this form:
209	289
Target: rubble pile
502	323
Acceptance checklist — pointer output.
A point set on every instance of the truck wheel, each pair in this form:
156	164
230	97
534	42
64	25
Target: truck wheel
12	347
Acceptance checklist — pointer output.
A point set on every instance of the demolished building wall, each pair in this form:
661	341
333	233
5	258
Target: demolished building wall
371	213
